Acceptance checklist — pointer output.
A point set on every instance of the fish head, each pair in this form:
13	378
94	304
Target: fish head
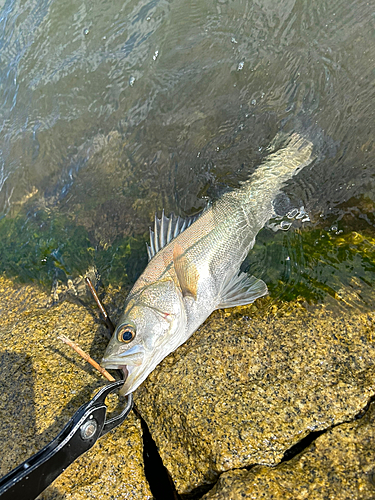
152	325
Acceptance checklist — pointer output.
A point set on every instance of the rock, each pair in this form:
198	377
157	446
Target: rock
112	469
339	464
242	391
44	383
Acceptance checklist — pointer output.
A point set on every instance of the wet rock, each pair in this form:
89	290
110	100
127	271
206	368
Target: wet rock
76	288
121	200
44	383
339	464
242	391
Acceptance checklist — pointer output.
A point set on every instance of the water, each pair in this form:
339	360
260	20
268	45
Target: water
112	110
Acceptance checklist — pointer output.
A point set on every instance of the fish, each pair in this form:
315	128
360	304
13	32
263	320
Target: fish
194	267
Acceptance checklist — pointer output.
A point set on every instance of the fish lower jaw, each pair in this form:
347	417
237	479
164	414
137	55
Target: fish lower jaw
116	366
126	370
128	386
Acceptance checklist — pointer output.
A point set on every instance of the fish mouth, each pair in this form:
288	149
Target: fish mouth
131	357
129	385
130	363
131	377
124	391
128	376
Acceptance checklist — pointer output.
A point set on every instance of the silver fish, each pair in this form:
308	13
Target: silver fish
194	268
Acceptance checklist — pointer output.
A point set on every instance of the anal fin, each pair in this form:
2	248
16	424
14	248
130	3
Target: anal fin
242	290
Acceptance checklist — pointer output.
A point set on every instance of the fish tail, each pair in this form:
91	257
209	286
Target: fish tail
295	154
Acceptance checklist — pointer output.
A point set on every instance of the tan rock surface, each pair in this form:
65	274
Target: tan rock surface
44	382
338	465
242	391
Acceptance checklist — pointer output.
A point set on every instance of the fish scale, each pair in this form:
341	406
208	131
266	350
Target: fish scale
194	267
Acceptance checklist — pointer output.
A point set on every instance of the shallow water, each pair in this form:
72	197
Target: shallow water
111	111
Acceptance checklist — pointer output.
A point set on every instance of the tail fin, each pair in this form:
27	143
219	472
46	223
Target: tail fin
278	167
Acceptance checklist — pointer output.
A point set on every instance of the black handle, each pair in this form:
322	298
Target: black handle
30	478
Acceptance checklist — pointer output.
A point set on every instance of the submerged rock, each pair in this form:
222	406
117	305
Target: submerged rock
340	464
243	391
44	383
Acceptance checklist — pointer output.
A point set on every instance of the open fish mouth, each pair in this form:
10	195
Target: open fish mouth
130	363
124	370
127	371
131	357
129	377
121	368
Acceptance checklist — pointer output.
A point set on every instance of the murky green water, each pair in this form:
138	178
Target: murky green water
110	111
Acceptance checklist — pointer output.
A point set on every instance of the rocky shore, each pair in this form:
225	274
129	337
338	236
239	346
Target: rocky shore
274	404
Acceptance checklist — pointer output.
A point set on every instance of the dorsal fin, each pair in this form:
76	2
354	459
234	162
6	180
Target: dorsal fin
167	228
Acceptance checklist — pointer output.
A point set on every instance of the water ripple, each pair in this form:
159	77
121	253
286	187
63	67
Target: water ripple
171	103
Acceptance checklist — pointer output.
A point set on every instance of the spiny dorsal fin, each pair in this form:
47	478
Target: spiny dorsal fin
186	272
165	229
241	290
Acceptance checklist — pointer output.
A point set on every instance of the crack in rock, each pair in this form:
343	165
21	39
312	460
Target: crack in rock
243	391
159	480
338	463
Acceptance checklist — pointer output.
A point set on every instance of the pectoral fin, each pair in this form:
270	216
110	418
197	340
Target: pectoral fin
186	271
242	290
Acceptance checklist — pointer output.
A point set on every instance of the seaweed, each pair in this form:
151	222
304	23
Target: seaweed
308	263
44	245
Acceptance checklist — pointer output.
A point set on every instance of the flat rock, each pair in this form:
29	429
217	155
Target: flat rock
242	391
44	383
339	464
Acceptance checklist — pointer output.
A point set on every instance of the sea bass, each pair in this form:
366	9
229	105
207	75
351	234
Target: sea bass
194	266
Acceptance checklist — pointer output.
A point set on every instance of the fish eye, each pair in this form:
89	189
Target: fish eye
126	334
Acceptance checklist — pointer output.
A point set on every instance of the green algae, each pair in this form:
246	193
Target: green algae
313	263
34	247
43	246
308	263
